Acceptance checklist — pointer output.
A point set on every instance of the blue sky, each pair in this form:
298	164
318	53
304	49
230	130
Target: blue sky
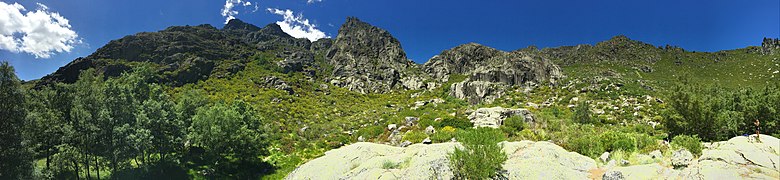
425	28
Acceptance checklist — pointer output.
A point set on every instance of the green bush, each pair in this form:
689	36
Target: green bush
513	124
445	134
481	158
646	143
415	136
613	141
582	113
588	145
691	143
460	123
371	131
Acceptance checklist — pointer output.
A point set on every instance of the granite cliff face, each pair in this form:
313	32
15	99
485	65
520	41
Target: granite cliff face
489	71
368	59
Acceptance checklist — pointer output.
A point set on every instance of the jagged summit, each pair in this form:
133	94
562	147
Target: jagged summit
237	24
274	29
368	59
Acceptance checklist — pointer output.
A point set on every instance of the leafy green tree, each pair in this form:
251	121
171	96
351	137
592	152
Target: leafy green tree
158	116
46	122
481	156
15	157
86	114
231	135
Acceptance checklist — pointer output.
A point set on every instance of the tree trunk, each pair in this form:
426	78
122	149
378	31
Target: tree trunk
48	159
76	164
86	165
97	167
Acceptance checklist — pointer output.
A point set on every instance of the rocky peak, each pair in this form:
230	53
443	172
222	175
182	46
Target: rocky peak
367	59
236	24
274	29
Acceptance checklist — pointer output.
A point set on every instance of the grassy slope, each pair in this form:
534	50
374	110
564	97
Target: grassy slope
330	115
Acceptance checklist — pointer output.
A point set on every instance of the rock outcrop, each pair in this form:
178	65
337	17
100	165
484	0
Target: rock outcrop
495	116
526	159
368	59
738	158
489	71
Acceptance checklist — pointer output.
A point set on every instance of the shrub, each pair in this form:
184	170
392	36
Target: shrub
588	145
414	136
613	141
691	143
513	124
481	157
444	134
390	165
371	131
460	123
582	113
646	143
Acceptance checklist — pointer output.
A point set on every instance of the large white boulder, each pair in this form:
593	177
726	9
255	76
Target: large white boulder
495	116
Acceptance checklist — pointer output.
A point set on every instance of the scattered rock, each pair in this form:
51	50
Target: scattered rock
613	175
624	162
361	139
681	158
410	121
656	154
391	127
405	143
430	130
427	141
604	157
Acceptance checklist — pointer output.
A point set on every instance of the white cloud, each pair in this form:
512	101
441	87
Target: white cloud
313	1
40	32
297	26
229	13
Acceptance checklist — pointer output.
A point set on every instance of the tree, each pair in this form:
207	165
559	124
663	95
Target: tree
481	158
158	116
232	136
46	122
86	114
15	157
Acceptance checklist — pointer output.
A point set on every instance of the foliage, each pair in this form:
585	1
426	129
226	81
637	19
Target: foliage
582	113
456	122
414	136
231	135
371	131
714	113
691	143
513	124
481	156
15	157
614	141
444	134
